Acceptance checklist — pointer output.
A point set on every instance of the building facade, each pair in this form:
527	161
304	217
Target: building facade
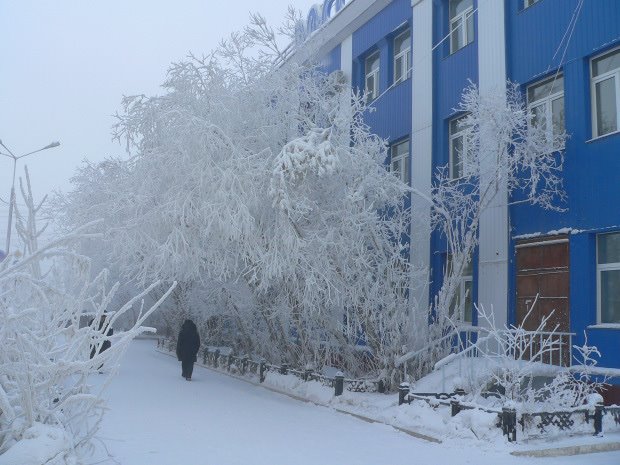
414	58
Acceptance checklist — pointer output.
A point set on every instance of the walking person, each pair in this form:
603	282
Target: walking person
104	328
188	344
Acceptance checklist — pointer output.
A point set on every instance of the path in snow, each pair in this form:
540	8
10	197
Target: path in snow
158	418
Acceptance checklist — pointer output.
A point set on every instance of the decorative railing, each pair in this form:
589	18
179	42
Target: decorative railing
534	346
245	365
507	418
418	363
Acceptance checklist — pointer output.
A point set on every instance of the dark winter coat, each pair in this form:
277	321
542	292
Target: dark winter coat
188	342
108	332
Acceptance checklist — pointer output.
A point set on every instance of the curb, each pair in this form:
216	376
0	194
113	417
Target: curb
411	433
569	450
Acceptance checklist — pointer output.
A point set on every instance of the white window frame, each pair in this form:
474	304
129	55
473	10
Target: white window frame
547	101
404	175
462	29
614	73
406	58
461	133
372	94
460	296
600	268
463	297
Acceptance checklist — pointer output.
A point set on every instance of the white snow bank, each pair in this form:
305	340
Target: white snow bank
41	445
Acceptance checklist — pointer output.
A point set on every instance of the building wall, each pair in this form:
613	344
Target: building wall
538	42
537	47
391	118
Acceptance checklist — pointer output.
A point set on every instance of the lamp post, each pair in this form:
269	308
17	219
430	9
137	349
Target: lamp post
14	157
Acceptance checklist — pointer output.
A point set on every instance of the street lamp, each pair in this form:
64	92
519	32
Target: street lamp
12	199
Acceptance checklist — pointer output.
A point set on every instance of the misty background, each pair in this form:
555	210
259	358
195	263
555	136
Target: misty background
65	66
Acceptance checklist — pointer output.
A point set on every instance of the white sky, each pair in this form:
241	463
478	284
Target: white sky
65	64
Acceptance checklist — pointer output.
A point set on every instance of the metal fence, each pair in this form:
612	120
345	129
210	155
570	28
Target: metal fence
507	418
245	365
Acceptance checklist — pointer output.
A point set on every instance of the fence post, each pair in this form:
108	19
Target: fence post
598	418
244	364
403	390
262	368
284	369
230	359
215	357
307	374
381	387
509	423
205	353
455	407
338	384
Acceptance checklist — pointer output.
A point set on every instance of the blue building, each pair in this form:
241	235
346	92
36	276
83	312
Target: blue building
414	58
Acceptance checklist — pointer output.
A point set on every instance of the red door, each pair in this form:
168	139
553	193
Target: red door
543	270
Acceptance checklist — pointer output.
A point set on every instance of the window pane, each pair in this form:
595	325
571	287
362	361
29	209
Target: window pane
407	70
370	86
401	43
459	6
457	125
398	68
545	89
539	117
406	169
557	111
396	169
606	112
470	28
456	170
606	63
610	296
608	248
469	304
372	63
456	36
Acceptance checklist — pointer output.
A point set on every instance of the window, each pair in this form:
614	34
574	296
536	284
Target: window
372	77
546	105
463	304
461	24
528	3
402	56
608	277
459	147
606	93
399	160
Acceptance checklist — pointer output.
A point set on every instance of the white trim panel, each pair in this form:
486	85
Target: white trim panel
494	227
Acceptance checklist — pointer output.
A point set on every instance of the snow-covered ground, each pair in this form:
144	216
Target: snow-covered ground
156	417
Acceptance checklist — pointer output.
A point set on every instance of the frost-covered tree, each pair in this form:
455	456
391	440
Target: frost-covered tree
503	149
258	184
54	320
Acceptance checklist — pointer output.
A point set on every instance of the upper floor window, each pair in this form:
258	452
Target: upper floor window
399	160
402	56
608	277
528	3
461	24
545	102
606	93
459	146
371	69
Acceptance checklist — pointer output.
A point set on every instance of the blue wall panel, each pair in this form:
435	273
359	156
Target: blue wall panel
537	47
388	21
331	62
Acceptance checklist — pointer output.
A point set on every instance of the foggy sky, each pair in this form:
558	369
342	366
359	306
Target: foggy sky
66	64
